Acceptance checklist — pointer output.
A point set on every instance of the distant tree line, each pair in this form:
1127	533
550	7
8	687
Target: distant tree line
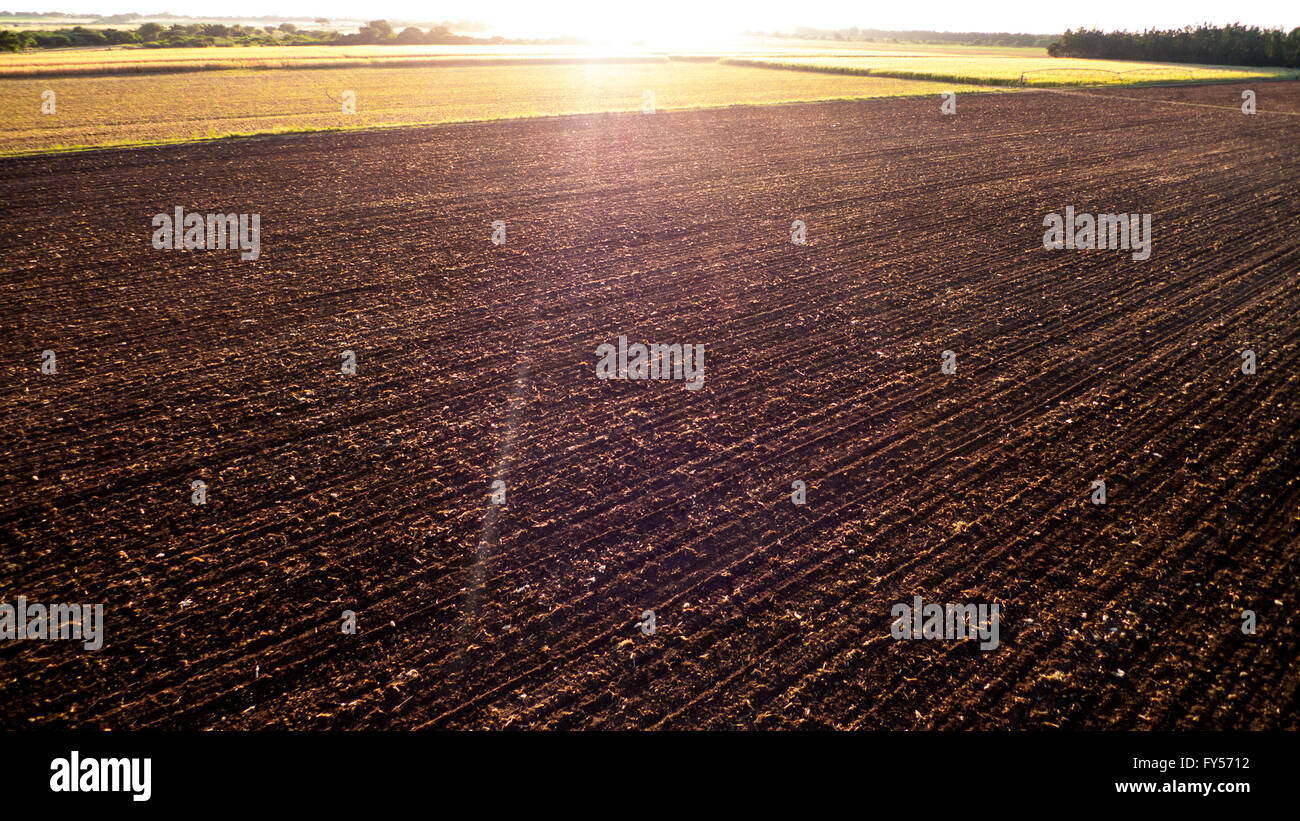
1231	45
153	35
378	32
950	38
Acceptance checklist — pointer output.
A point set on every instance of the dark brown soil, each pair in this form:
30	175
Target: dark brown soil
370	493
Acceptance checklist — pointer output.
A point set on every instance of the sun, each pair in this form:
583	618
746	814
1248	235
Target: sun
609	27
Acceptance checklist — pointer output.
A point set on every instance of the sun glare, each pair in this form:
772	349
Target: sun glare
616	29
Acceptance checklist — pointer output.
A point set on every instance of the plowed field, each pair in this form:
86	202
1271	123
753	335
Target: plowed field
370	492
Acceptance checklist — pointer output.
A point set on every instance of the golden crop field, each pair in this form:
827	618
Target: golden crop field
1035	66
130	59
124	108
126	60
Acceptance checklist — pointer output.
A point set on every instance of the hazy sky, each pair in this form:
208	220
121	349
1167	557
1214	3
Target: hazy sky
626	19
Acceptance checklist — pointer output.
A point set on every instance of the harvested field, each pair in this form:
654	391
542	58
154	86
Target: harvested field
118	59
474	363
114	60
120	109
1008	69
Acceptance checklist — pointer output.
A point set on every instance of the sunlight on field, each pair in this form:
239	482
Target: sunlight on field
122	96
127	60
1009	69
164	108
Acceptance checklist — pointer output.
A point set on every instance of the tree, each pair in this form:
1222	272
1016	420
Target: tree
289	28
13	41
1233	44
46	39
117	38
410	35
149	32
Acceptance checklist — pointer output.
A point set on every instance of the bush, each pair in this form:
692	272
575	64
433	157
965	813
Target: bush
86	37
14	41
47	39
